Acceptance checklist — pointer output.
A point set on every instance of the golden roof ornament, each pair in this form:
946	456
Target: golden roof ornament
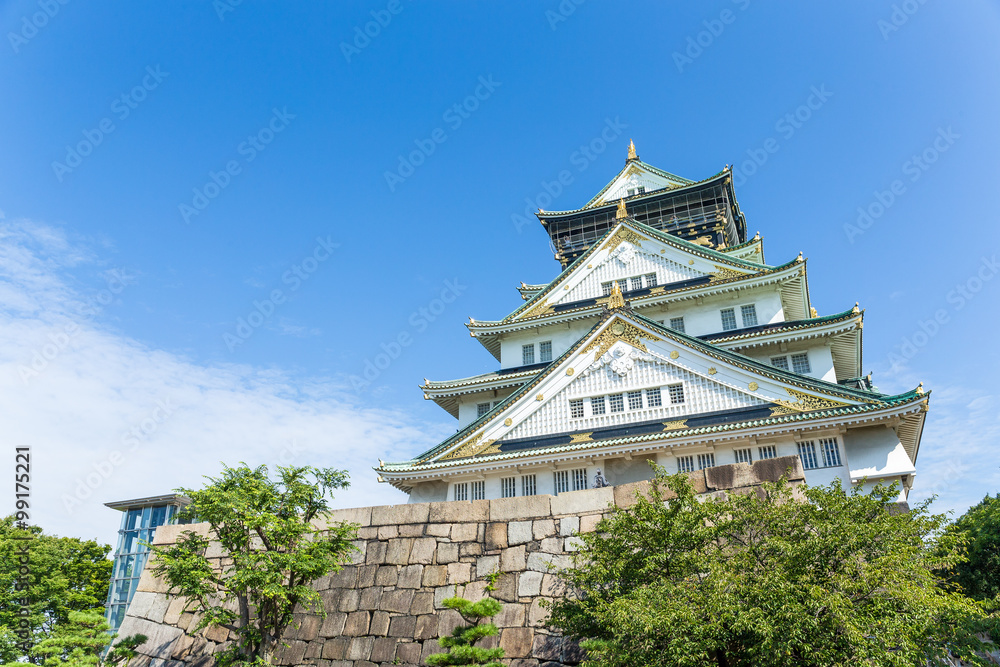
622	212
855	310
920	389
812	311
631	151
615	299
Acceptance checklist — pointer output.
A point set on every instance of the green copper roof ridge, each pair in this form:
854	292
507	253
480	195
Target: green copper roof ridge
545	214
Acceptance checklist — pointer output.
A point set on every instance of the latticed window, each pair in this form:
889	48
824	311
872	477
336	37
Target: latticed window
807	454
597	405
579	479
767	452
749	314
728	319
462	491
780	362
800	363
653	398
677	324
623	284
528	485
744	456
706	461
617	402
562	481
635	400
650	280
508	487
545	350
482	409
479	490
636	282
528	354
831	452
676	393
685	464
576	408
606	288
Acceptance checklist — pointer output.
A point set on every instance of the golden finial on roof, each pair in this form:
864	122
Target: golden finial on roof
855	310
920	389
622	212
631	151
756	237
812	311
616	300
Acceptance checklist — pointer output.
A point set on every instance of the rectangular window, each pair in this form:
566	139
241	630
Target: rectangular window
642	189
508	487
562	481
744	455
576	408
579	479
677	324
728	319
749	314
597	405
528	354
462	491
482	409
636	282
528	485
606	288
545	350
807	454
800	363
780	362
650	280
623	284
653	398
676	393
706	461
479	490
617	402
635	400
767	452
685	464
831	452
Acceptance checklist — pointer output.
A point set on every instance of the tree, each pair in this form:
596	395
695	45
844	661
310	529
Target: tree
460	646
81	640
764	579
979	576
62	575
273	551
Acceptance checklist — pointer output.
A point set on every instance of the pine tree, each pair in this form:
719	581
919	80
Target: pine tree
460	645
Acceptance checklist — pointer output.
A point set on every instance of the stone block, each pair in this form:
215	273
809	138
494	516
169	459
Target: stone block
529	584
368	533
380	624
771	470
537	614
520	508
423	551
398	600
551	545
402	626
410	576
411	530
543	562
308	627
349	600
697	479
516	642
459	511
388	532
459	573
360	648
174	611
371	598
546	647
141	603
335	649
464	532
346	577
475	591
356	555
427	627
573	544
510	616
357	624
626	494
159	638
423	603
542	528
333	624
394	515
505	588
552	586
589	522
448	620
384	650
572	653
429	647
519	532
291	653
399	551
569	525
408	654
447	552
438	529
496	536
375	553
487	565
366	575
435	575
512	559
148	583
587	500
442	593
359	515
387	575
469	549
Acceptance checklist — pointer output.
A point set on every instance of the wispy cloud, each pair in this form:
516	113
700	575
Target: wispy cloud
111	418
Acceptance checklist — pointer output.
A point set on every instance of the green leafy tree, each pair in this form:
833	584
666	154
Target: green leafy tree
81	640
460	645
62	575
765	579
266	528
979	576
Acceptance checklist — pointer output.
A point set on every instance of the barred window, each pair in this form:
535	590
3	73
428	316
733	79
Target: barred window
831	452
749	314
479	490
677	324
562	481
800	363
642	189
597	405
528	354
807	454
617	402
623	284
508	487
780	362
635	400
637	282
728	319
744	455
606	288
653	398
528	485
685	464
767	452
462	491
482	409
545	350
650	280
576	408
706	461
579	479
676	393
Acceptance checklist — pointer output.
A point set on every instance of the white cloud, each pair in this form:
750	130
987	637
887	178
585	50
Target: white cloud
77	393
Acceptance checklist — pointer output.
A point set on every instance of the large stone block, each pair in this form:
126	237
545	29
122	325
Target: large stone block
442	593
587	500
505	588
159	638
512	559
376	552
519	532
448	620
510	616
537	614
626	495
729	476
542	528
394	515
357	624
408	654
366	575
360	648
349	600
464	532
399	551
411	530
403	626
423	551
543	562
380	624
520	508
427	627
423	603
529	584
359	515
469	549
346	577
459	573
371	598
435	575
456	511
516	642
335	649
387	575
388	532
496	536
447	552
141	603
487	565
410	576
546	647
398	600
333	624
384	650
772	470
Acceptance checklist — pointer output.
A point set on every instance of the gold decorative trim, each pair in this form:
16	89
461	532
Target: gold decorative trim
674	425
712	371
615	299
804	403
722	273
570	371
619	330
507	422
574	438
539	397
674	354
622	212
623	234
469	448
490	447
538	310
753	386
690	261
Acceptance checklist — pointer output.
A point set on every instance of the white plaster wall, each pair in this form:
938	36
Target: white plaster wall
876	450
467	410
820	358
626	261
563	337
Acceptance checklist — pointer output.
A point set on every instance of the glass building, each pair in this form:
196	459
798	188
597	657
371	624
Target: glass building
140	519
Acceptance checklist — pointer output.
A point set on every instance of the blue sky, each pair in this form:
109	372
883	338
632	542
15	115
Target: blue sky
165	166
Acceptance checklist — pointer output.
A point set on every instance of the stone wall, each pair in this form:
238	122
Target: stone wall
385	606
